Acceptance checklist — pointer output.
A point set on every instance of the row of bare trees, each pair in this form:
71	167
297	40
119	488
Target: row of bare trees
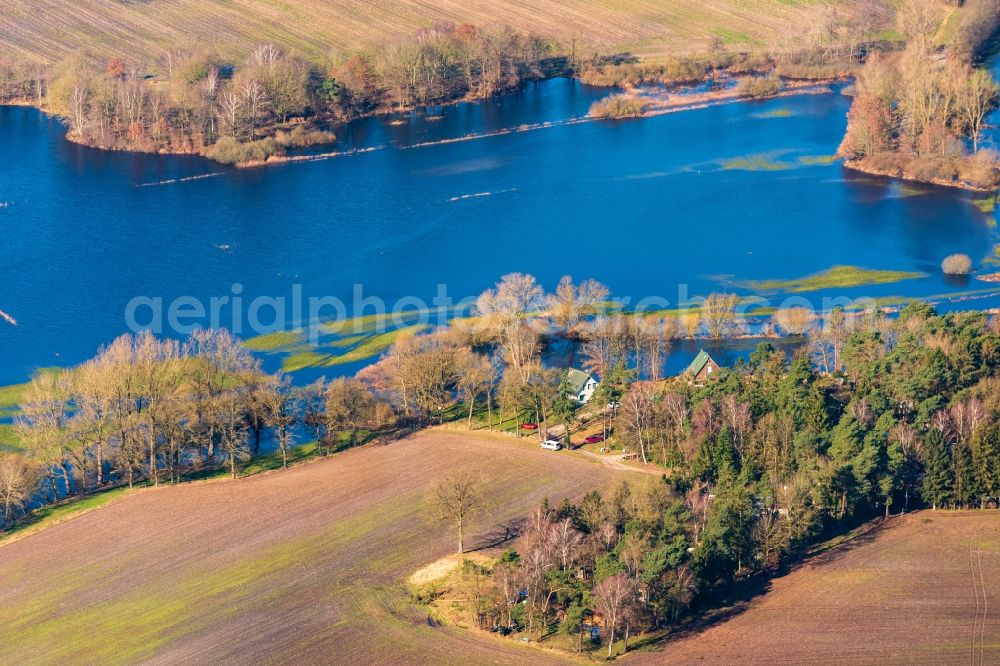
153	410
195	99
187	100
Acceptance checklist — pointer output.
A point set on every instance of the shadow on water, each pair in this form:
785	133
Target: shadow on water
958	281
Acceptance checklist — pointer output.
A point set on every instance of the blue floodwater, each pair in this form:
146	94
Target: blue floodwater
644	206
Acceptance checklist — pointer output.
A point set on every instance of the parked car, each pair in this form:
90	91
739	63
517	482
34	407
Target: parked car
594	439
529	426
552	445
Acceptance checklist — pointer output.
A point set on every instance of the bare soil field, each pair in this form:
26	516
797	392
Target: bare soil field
50	29
306	565
919	589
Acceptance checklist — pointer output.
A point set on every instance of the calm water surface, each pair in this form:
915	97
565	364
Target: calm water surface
644	206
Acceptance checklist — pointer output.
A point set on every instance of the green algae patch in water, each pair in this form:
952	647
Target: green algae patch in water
835	277
777	113
759	162
818	160
986	206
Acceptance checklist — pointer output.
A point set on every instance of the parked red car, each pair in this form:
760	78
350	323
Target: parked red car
529	426
594	439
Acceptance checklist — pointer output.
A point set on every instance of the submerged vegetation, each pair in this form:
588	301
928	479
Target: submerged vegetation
762	162
837	276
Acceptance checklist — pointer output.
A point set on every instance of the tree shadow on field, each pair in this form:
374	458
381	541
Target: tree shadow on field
721	606
732	601
501	534
832	549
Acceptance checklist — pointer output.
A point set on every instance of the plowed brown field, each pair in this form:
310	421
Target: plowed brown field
921	589
307	565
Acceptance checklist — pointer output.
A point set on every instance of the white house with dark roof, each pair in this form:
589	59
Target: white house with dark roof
582	384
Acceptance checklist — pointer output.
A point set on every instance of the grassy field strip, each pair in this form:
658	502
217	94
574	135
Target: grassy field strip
50	29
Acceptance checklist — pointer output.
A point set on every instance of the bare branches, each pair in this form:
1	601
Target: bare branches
458	500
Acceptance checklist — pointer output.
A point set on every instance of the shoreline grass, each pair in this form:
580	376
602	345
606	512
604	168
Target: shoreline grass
53	514
8	439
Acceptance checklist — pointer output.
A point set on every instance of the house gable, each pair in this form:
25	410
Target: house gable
582	385
702	367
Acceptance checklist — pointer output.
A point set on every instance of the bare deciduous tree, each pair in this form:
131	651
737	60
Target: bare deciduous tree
614	593
458	499
18	481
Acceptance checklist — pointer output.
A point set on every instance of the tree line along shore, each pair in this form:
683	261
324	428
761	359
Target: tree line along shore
872	416
245	112
921	113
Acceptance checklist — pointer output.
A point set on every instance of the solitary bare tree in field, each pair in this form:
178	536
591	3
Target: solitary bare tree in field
458	499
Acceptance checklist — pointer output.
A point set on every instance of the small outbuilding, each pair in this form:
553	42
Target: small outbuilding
702	368
582	385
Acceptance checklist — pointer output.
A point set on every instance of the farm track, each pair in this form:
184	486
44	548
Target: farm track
51	29
897	594
304	565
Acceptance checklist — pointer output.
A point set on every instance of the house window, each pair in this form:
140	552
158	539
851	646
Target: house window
582	397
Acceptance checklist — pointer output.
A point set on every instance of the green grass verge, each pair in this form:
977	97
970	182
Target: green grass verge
835	277
272	461
11	396
54	514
